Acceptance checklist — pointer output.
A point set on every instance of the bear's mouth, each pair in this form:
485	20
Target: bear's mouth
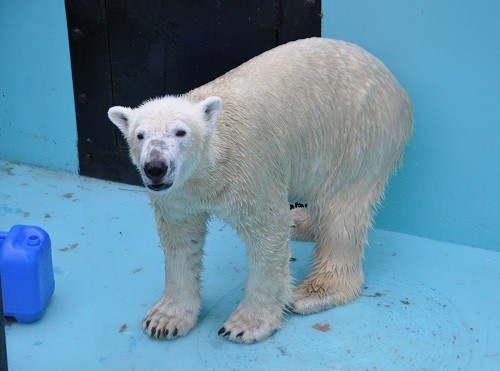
159	187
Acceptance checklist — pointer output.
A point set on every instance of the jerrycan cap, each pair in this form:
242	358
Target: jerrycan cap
34	240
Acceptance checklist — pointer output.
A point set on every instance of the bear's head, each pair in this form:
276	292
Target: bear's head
166	137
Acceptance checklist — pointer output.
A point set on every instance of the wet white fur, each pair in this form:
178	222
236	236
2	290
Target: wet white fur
317	121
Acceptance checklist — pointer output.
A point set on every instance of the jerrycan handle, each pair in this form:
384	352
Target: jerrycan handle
3	236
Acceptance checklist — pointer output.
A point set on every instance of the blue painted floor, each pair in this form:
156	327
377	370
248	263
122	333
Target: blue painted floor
427	305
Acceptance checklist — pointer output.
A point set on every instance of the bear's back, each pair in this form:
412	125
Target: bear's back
302	64
310	76
318	103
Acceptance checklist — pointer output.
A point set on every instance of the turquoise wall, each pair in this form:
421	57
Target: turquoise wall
37	115
447	55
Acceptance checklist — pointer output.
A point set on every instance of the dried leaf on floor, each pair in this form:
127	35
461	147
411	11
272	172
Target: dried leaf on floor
320	327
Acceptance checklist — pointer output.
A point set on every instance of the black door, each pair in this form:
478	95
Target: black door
125	51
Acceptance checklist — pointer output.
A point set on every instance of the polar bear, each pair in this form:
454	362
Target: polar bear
314	121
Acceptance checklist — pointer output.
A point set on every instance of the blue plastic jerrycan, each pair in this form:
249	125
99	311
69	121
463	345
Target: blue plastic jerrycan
26	272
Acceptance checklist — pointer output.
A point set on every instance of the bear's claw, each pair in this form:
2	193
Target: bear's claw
159	333
225	333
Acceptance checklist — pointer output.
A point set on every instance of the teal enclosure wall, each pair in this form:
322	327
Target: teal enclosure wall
445	54
37	115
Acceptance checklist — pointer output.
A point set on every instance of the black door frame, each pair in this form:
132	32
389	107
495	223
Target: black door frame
99	30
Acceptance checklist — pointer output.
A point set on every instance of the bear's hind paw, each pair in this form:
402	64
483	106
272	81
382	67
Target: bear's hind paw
302	228
311	297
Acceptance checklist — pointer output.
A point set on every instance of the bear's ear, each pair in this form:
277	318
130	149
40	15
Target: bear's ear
120	116
210	109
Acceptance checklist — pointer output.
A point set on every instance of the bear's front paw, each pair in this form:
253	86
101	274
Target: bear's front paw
249	326
167	321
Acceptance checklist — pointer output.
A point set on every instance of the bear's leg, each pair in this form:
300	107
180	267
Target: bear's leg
176	313
268	289
340	224
302	228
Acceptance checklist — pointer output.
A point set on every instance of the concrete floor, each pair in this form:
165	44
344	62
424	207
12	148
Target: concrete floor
427	305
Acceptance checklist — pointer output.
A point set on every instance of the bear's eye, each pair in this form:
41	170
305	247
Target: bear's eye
140	136
180	133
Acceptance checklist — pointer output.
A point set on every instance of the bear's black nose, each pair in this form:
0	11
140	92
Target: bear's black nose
155	169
